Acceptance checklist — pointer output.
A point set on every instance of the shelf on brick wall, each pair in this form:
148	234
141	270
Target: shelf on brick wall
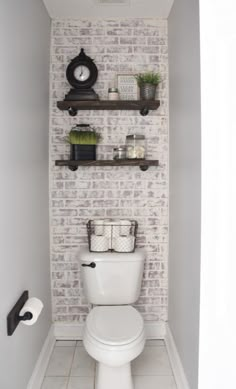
142	163
138	105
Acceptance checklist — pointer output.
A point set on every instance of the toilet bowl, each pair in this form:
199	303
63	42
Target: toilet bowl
114	336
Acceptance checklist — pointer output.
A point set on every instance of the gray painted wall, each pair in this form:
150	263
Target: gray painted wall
185	181
24	68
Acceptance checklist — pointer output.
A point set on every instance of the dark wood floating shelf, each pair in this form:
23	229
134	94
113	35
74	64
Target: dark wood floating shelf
142	163
139	105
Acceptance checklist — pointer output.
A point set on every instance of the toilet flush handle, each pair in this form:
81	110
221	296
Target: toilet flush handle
92	265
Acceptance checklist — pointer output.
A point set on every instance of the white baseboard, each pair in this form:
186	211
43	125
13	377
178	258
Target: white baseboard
175	361
154	330
70	331
37	376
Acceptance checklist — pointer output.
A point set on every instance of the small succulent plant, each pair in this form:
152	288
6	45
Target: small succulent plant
148	78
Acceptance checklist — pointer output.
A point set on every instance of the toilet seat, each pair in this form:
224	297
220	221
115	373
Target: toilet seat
114	325
114	335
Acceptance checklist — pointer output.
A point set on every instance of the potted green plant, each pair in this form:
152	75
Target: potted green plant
83	141
147	83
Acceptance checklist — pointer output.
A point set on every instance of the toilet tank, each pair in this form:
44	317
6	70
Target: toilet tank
115	278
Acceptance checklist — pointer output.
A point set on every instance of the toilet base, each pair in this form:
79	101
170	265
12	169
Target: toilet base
117	377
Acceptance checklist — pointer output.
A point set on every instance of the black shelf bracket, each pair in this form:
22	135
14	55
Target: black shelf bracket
72	111
143	168
144	111
73	168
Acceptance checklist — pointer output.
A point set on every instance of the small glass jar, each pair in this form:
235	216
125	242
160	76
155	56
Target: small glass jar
119	152
113	94
136	146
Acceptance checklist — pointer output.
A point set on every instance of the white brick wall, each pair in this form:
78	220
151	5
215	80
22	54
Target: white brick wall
117	46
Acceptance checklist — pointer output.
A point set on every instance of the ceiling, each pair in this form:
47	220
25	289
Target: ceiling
80	9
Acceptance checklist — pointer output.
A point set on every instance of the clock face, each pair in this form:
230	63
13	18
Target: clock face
81	73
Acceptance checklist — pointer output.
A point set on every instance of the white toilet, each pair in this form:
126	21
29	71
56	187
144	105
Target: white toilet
114	330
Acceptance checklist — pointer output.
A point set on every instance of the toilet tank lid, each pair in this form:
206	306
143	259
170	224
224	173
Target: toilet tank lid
86	256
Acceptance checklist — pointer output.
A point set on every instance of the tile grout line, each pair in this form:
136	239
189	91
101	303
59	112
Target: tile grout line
67	383
67	386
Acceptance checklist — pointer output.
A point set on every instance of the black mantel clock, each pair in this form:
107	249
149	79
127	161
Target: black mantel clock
82	74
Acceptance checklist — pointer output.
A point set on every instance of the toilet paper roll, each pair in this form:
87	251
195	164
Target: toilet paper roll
99	243
107	227
34	306
98	227
111	230
115	228
124	244
125	226
111	227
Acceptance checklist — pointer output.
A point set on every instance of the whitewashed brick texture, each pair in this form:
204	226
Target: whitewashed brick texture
117	46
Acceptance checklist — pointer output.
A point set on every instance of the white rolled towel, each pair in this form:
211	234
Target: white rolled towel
99	243
124	244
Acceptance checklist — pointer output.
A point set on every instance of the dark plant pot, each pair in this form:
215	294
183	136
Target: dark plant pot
83	152
148	91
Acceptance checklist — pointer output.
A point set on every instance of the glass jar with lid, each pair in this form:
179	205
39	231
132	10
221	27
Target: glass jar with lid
113	94
135	146
119	152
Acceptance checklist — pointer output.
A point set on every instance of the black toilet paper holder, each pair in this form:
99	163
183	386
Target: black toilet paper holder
14	318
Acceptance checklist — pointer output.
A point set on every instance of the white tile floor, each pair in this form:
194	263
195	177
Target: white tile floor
70	367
